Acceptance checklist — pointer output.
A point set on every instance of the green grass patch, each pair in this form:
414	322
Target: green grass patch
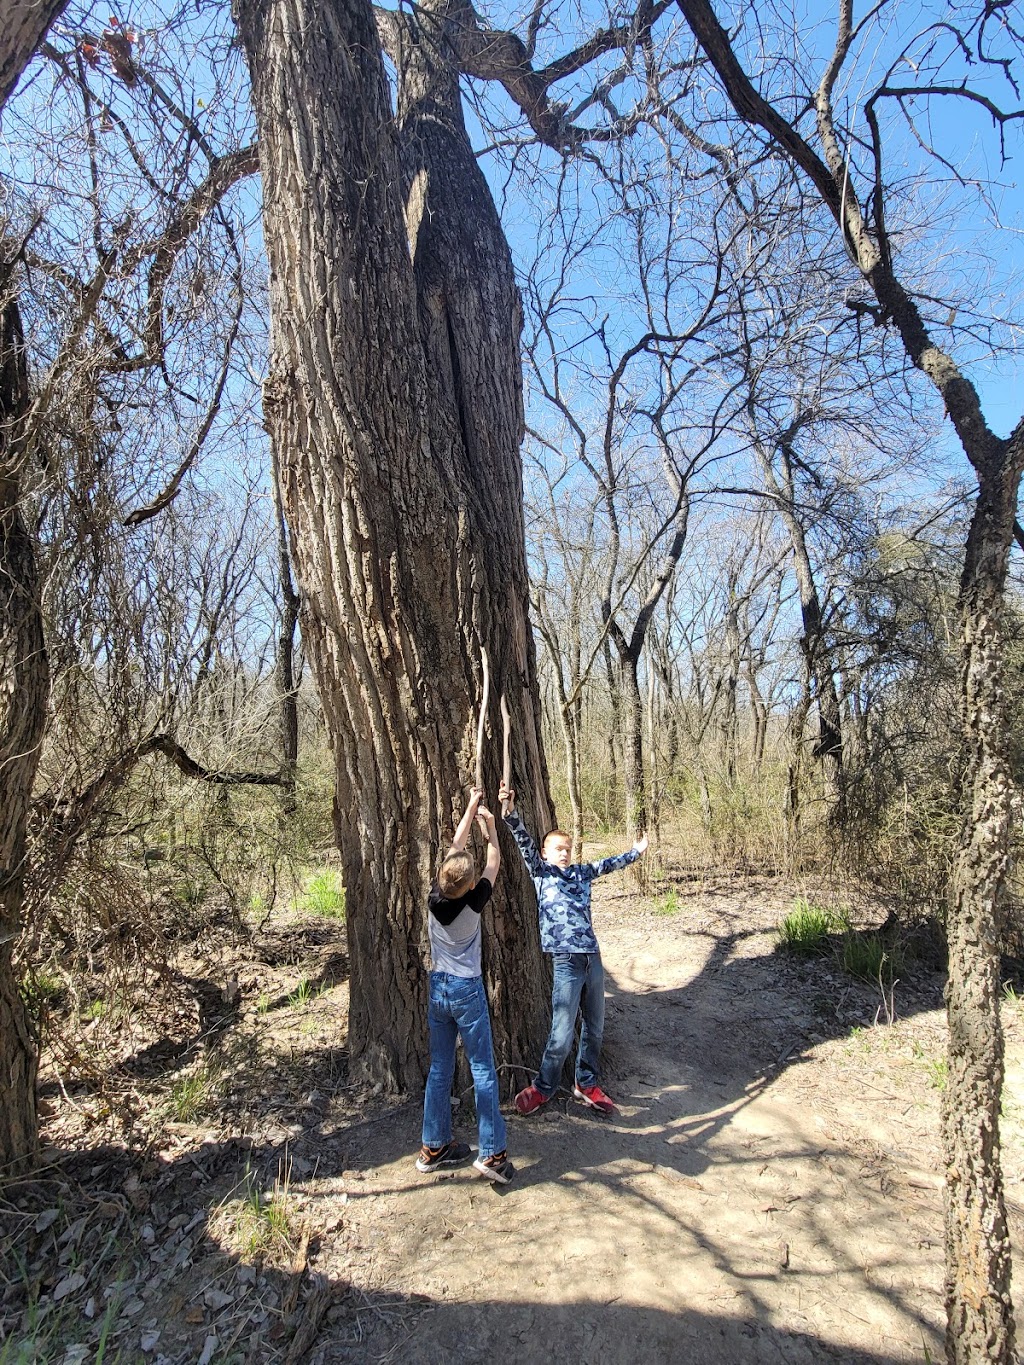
324	895
41	990
262	1225
868	957
668	904
302	994
193	1095
938	1072
806	928
935	1068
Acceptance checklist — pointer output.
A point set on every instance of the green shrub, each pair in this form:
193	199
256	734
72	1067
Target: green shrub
806	928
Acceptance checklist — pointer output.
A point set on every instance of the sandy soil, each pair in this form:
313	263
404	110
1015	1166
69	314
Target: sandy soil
769	1190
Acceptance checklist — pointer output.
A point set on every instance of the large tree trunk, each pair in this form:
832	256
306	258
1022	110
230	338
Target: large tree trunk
24	688
394	402
979	1324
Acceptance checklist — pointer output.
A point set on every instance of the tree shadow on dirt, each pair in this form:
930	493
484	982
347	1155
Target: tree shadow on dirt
684	1060
135	1259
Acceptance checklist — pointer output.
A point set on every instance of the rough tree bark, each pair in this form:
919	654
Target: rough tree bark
980	1323
24	690
394	404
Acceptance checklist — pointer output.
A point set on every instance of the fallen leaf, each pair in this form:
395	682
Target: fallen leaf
68	1285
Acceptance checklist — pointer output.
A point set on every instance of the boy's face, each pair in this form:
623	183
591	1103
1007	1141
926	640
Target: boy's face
558	850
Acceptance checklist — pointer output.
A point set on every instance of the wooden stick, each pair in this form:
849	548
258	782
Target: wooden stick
482	720
506	743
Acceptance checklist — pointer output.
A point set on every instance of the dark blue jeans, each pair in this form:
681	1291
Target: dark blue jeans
458	1008
578	979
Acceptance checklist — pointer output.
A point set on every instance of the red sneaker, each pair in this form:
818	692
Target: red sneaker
595	1097
528	1101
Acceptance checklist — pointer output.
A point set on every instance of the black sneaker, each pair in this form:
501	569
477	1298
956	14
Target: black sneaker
451	1154
497	1168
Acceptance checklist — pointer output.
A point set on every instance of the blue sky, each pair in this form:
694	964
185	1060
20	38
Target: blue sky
982	261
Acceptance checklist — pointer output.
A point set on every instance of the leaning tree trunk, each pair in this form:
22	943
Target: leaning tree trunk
979	1323
24	687
394	402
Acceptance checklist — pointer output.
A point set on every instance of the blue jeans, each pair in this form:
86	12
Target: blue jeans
458	1008
577	976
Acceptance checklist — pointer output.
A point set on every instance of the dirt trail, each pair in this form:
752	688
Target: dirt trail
769	1190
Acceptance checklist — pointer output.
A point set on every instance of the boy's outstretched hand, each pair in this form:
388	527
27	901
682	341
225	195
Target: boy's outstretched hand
506	796
485	819
641	844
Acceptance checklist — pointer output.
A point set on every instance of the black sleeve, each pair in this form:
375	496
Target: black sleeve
480	895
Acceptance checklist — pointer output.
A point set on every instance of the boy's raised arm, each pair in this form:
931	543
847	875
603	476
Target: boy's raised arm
485	820
534	862
461	836
617	861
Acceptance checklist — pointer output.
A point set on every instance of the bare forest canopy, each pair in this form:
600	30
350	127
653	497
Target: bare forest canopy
665	355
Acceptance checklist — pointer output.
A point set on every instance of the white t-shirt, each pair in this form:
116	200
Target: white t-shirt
455	929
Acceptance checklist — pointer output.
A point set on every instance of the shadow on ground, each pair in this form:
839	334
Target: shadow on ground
141	1234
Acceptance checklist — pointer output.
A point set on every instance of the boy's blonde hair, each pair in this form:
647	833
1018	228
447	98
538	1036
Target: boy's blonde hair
457	875
556	834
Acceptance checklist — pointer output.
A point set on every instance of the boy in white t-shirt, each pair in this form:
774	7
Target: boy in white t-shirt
458	1005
